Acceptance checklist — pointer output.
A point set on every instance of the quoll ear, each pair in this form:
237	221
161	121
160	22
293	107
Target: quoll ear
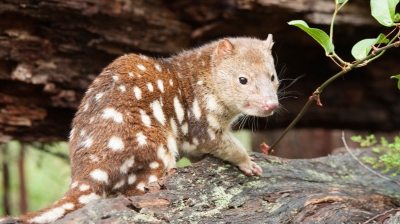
269	42
225	49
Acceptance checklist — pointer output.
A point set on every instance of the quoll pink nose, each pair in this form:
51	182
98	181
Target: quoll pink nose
270	105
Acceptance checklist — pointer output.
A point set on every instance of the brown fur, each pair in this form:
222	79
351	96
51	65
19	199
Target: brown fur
199	99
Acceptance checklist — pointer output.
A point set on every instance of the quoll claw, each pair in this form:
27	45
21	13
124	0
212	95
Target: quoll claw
251	169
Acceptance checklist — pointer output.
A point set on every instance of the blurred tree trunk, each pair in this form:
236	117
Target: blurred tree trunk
6	180
23	203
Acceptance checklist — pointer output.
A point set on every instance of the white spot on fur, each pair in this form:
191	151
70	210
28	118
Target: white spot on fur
84	199
174	127
200	82
74	184
196	109
87	143
157	111
84	187
130	74
127	164
141	67
68	206
158	67
119	184
138	93
195	141
213	121
172	147
178	110
113	114
184	128
98	96
99	175
211	134
168	161
131	178
86	107
52	214
145	118
141	138
71	134
152	178
160	85
144	57
150	87
115	143
82	133
203	63
115	77
91	120
211	103
186	146
94	158
122	88
141	186
171	83
154	165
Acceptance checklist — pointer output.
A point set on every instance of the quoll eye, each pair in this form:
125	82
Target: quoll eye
243	80
272	78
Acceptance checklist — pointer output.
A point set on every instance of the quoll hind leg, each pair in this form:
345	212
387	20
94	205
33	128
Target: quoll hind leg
138	183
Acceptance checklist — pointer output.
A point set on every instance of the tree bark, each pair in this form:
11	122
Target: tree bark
334	189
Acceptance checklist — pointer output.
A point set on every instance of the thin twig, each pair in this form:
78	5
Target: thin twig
348	68
362	164
369	220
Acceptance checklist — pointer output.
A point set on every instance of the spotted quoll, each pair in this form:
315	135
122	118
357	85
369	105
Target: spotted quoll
142	114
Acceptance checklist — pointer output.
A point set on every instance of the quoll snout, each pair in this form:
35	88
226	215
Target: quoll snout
270	105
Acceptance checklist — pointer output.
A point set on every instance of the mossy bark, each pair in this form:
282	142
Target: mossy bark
333	189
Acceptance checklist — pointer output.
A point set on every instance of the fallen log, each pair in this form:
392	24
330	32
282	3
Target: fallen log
332	189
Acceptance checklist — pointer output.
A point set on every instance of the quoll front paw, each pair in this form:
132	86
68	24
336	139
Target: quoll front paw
251	169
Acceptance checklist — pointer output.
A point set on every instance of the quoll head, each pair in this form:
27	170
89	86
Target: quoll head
244	67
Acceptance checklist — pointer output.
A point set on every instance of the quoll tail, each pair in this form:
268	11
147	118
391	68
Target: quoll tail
75	198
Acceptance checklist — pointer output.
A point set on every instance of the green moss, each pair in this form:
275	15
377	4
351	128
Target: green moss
273	206
220	169
257	184
221	198
319	176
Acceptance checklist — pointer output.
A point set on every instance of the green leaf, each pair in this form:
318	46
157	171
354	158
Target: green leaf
339	1
397	77
361	49
383	11
397	17
319	35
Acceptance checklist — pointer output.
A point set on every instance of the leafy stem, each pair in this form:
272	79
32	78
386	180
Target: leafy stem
338	6
316	95
382	52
